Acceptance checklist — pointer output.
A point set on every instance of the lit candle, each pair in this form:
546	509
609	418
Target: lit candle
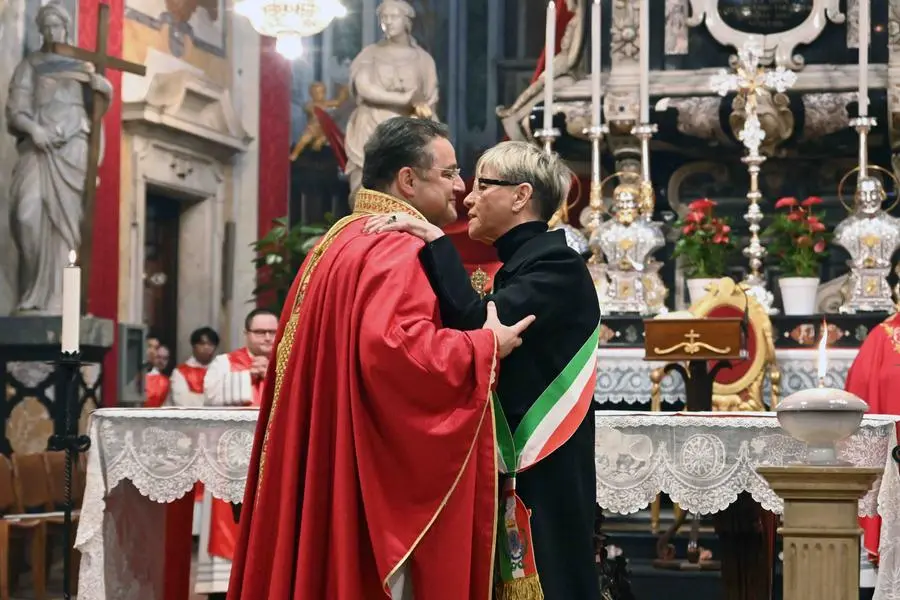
644	64
71	305
864	26
596	48
823	354
549	54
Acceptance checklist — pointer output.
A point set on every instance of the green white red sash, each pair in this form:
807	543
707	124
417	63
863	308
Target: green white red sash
547	425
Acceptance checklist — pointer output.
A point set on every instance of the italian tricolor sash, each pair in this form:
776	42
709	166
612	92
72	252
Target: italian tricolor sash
547	425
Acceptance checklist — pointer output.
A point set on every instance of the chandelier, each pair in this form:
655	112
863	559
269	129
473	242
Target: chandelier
289	21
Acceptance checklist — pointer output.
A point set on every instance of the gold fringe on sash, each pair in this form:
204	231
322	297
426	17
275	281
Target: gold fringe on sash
523	588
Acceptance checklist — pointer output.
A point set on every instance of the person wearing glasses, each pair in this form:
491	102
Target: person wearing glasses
236	378
543	399
373	469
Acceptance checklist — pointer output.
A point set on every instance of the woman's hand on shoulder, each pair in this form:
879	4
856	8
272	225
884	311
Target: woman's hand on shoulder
402	222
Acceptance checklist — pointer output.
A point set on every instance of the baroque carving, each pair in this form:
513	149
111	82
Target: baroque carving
515	116
778	48
698	116
894	24
774	114
676	27
825	113
852	23
624	31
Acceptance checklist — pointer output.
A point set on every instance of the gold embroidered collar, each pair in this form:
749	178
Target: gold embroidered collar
371	202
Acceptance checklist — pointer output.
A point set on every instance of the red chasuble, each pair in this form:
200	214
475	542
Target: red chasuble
873	376
223	531
374	452
157	389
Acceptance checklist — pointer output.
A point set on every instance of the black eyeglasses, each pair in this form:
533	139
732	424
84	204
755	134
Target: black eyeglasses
501	182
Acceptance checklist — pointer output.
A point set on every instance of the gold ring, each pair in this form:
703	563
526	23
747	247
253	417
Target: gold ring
876	168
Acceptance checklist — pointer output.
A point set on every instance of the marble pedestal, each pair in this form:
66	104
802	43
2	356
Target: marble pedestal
821	531
29	349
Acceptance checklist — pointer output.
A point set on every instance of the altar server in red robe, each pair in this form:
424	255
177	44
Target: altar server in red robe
157	382
236	379
373	473
187	378
873	376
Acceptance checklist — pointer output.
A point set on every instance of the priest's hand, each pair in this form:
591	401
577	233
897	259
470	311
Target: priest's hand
508	337
401	222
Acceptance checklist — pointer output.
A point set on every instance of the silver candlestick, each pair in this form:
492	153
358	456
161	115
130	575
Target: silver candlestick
595	203
547	138
644	132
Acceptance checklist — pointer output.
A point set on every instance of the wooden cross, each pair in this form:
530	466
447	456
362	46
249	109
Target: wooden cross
101	61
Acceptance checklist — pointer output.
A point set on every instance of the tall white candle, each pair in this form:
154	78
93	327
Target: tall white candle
864	27
644	63
549	54
596	50
71	305
823	353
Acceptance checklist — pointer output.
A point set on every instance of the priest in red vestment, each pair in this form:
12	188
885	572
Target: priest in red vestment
373	473
156	381
873	376
236	379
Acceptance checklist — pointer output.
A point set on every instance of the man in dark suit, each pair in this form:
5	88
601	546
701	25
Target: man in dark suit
545	389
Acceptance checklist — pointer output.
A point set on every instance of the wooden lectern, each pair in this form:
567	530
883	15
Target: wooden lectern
697	349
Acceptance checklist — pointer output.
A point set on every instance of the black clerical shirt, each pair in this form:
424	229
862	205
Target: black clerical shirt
542	276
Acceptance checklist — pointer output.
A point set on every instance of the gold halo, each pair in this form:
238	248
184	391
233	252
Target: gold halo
876	168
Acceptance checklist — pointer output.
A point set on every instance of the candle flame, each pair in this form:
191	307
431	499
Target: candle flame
72	257
823	353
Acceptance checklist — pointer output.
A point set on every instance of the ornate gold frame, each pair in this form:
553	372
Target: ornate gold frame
726	292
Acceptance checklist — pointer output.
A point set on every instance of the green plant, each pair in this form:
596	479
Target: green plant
279	255
705	242
796	239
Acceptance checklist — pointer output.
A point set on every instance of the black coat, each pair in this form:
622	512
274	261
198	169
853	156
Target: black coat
542	276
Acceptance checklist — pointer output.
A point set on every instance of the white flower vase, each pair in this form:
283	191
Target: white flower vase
697	287
798	294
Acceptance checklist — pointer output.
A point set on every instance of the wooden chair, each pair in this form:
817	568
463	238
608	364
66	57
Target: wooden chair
55	467
22	526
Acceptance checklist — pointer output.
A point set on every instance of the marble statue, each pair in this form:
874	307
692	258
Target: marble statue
627	242
47	114
871	236
393	77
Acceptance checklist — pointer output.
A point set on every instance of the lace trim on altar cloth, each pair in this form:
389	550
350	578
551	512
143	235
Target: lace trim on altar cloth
139	459
704	461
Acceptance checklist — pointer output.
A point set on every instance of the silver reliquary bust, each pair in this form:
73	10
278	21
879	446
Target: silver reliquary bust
627	242
871	236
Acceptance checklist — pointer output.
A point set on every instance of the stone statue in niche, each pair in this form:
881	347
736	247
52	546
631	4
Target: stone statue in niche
48	114
393	77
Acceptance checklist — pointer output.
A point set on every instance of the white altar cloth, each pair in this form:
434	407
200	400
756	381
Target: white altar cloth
139	460
703	461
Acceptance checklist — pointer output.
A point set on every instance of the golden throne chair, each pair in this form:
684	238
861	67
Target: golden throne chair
739	388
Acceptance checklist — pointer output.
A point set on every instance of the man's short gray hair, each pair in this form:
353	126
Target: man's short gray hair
522	162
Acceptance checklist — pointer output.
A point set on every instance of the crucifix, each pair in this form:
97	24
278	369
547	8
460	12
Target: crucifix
749	80
101	61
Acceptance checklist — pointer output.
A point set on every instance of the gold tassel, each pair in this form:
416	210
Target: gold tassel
523	588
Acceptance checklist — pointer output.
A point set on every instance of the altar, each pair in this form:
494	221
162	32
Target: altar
141	459
706	461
